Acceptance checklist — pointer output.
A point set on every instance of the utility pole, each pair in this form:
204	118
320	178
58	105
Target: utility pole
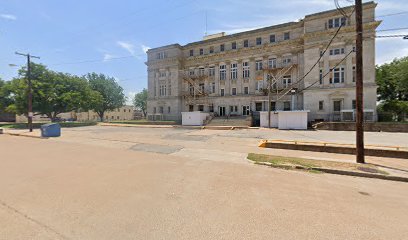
29	90
359	83
269	99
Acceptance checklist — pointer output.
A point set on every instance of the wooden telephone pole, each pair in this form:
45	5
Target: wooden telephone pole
359	83
30	113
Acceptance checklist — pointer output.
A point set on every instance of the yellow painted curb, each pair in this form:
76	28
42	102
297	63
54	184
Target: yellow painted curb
263	143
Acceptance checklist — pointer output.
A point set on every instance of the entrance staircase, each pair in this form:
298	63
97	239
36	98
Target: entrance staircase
232	121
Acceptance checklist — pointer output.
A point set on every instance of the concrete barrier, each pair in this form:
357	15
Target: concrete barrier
368	126
334	149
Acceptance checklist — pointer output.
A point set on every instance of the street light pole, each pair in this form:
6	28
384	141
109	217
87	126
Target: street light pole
269	99
29	90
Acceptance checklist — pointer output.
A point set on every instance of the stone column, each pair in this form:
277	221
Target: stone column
240	80
252	76
228	79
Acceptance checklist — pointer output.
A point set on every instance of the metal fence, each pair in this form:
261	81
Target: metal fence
392	117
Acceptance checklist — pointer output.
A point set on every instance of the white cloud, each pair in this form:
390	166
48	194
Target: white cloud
129	97
8	17
127	46
144	48
107	57
384	6
391	55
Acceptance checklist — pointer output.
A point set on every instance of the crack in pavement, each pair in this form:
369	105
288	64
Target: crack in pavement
43	225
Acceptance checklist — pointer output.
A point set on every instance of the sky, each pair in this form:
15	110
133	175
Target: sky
111	37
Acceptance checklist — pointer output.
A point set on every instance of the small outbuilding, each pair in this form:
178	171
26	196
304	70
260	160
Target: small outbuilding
286	119
194	118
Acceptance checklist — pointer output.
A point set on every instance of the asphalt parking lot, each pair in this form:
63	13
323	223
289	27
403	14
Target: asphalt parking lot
173	183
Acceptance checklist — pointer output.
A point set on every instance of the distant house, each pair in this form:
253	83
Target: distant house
120	114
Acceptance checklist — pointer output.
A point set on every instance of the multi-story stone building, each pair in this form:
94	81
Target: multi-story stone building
230	74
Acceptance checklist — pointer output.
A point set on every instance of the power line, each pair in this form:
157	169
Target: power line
393	14
338	64
126	23
318	60
95	60
392	29
393	36
140	55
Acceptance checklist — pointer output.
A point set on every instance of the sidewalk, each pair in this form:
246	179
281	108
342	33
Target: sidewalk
36	133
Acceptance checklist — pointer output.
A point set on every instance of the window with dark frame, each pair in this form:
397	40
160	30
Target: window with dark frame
258	106
272	38
286	106
246	90
286	36
246	43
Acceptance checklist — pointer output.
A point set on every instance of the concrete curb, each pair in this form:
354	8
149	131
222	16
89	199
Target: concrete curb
177	126
24	135
135	125
334	171
330	148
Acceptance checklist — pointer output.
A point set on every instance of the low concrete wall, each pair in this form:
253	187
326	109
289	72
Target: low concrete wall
368	126
335	149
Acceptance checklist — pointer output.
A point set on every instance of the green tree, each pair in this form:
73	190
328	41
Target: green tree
53	92
3	96
140	101
392	81
111	93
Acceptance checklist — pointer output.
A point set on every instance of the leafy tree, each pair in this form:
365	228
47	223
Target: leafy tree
111	93
3	96
53	92
140	101
392	81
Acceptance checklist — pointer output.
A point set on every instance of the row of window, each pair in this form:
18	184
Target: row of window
337	75
161	110
272	63
161	55
336	22
336	105
331	23
124	110
258	41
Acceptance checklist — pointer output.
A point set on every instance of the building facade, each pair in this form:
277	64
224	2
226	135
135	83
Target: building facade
232	74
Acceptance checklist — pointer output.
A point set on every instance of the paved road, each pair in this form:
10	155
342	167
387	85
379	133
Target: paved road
117	184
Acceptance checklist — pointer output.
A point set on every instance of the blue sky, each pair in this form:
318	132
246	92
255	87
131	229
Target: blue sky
111	37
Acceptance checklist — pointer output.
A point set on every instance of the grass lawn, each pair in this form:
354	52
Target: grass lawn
38	125
311	164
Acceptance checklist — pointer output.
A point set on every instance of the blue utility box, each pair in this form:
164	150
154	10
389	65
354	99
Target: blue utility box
50	130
